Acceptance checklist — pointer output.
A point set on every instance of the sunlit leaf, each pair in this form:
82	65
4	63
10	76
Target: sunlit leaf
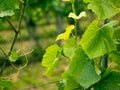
14	56
102	8
82	69
66	0
69	47
74	16
98	41
7	7
66	34
51	57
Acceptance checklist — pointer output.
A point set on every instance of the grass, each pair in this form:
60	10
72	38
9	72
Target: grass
34	75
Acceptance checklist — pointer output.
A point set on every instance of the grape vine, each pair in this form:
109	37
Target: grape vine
7	8
94	58
89	67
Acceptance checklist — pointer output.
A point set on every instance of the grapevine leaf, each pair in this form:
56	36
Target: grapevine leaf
7	7
116	2
82	69
5	83
98	41
102	8
115	56
51	57
105	73
70	82
74	16
117	33
14	56
69	47
66	0
66	34
111	82
60	85
117	67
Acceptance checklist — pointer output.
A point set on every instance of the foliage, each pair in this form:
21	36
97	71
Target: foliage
7	8
103	9
50	62
66	35
14	56
5	84
98	41
85	70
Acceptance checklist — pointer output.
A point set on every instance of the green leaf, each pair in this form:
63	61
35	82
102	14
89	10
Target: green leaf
69	47
60	85
7	7
111	82
14	56
115	56
51	57
102	8
117	33
98	41
82	69
70	82
4	83
66	34
117	67
105	73
116	2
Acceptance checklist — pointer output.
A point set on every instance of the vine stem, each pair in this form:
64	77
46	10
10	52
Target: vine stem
104	60
18	27
41	85
17	30
10	24
75	21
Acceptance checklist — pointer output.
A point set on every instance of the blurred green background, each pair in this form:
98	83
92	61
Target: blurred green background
42	22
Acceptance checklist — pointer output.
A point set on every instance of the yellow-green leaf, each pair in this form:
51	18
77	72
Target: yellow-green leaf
14	56
7	7
103	8
98	41
51	58
74	16
66	34
66	0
